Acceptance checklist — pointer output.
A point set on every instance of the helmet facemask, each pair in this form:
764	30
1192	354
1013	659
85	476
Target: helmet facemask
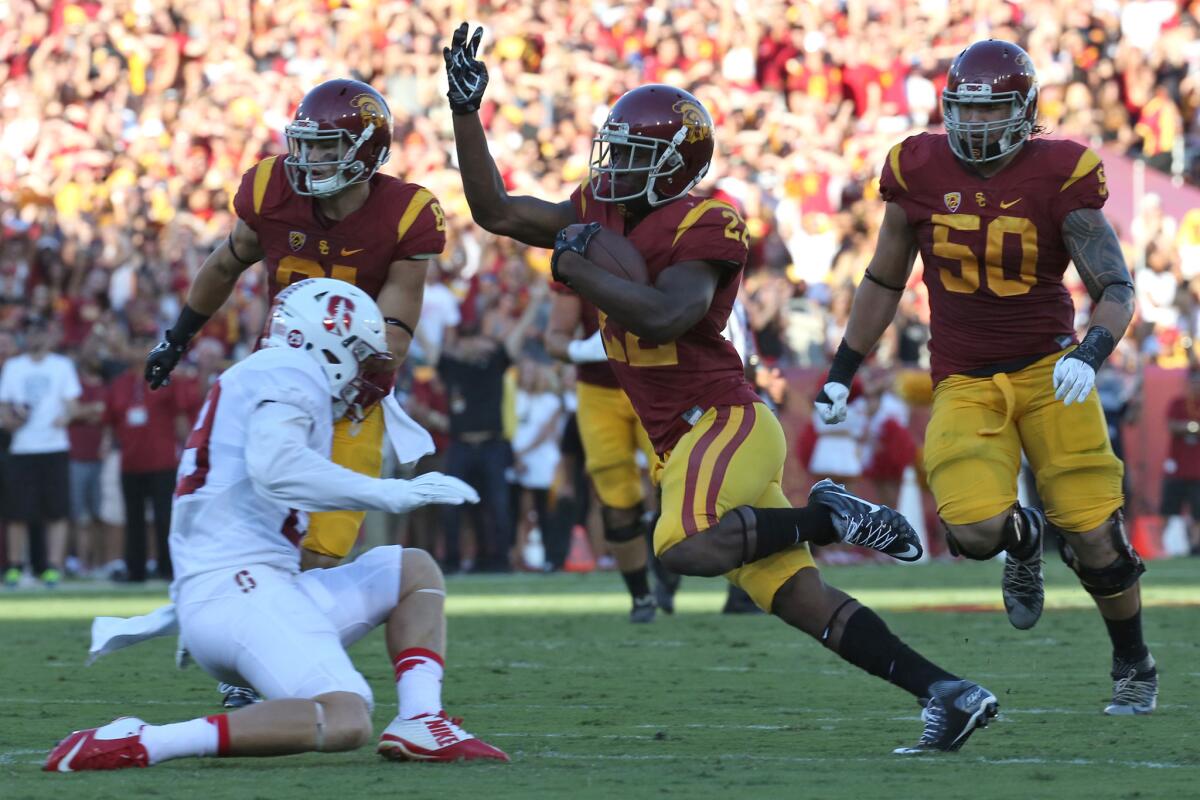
619	156
304	136
376	375
982	141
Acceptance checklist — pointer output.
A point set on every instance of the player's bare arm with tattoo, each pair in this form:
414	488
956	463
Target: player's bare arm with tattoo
1097	254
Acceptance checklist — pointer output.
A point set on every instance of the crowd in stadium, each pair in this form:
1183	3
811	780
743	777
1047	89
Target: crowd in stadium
126	125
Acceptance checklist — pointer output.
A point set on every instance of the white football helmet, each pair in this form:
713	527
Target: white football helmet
342	329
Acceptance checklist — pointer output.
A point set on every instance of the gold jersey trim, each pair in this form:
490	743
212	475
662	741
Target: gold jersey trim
262	176
696	213
894	160
1087	162
420	199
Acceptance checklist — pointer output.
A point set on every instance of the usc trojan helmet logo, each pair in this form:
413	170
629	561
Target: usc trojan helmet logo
369	110
338	315
695	119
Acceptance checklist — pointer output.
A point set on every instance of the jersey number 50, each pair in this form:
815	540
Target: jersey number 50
968	278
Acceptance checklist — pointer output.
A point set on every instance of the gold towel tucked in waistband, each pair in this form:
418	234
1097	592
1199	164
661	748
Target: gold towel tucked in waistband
1006	388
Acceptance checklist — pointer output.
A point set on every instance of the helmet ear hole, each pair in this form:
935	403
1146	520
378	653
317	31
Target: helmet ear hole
330	357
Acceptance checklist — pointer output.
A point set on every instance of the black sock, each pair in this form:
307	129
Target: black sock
780	528
637	583
868	644
1126	635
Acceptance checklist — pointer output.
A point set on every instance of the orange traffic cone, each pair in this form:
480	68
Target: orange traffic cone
579	558
1147	536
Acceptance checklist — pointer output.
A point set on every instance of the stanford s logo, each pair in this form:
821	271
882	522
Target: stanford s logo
370	110
953	200
695	119
338	315
296	240
245	581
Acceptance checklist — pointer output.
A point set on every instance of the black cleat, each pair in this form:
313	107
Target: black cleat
1022	586
643	609
1135	688
952	714
866	524
237	696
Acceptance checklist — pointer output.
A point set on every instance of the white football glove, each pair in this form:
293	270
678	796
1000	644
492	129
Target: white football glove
433	488
831	403
587	351
1073	379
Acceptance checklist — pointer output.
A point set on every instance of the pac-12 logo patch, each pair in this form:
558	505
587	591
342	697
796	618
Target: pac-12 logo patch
338	315
953	200
295	338
296	239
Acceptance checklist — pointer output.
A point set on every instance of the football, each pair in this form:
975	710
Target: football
616	255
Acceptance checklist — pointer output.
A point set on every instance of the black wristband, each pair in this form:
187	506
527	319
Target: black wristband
845	363
399	323
1095	347
187	326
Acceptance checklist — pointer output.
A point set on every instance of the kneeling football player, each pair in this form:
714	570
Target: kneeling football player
247	614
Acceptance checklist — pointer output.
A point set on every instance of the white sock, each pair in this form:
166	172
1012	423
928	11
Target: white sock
196	737
418	682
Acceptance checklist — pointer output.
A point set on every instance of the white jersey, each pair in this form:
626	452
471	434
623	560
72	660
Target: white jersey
221	516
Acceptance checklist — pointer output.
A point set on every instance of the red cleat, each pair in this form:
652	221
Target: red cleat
116	745
433	737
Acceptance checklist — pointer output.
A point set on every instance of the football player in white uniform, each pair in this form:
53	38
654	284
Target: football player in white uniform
257	458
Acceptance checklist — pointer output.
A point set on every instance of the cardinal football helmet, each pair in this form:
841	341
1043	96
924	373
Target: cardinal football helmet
342	329
657	143
341	135
990	73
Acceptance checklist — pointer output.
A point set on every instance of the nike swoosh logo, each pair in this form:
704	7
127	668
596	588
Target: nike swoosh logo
65	764
1011	203
910	552
871	505
346	252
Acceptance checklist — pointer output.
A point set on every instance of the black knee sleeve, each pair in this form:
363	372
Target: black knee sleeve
1118	576
625	533
1019	529
623	525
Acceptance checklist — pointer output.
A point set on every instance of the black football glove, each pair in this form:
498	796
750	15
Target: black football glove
467	76
575	244
162	359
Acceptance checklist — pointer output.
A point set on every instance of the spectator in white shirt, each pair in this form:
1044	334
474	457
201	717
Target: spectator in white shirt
38	390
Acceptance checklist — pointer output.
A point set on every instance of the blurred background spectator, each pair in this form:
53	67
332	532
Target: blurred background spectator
39	390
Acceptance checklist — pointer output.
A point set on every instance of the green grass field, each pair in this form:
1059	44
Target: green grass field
695	705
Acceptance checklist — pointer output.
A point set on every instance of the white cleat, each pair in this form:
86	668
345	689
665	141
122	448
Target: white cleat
433	737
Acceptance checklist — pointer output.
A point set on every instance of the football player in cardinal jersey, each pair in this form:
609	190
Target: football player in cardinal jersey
324	211
719	449
996	216
247	614
611	436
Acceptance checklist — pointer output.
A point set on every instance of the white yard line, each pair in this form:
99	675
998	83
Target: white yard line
884	758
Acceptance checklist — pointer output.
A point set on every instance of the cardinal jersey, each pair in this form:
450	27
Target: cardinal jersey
398	221
672	384
218	519
596	373
992	248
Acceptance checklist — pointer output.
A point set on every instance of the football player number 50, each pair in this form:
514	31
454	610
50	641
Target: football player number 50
311	269
968	278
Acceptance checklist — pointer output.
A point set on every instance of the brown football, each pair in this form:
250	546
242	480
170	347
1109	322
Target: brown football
616	255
